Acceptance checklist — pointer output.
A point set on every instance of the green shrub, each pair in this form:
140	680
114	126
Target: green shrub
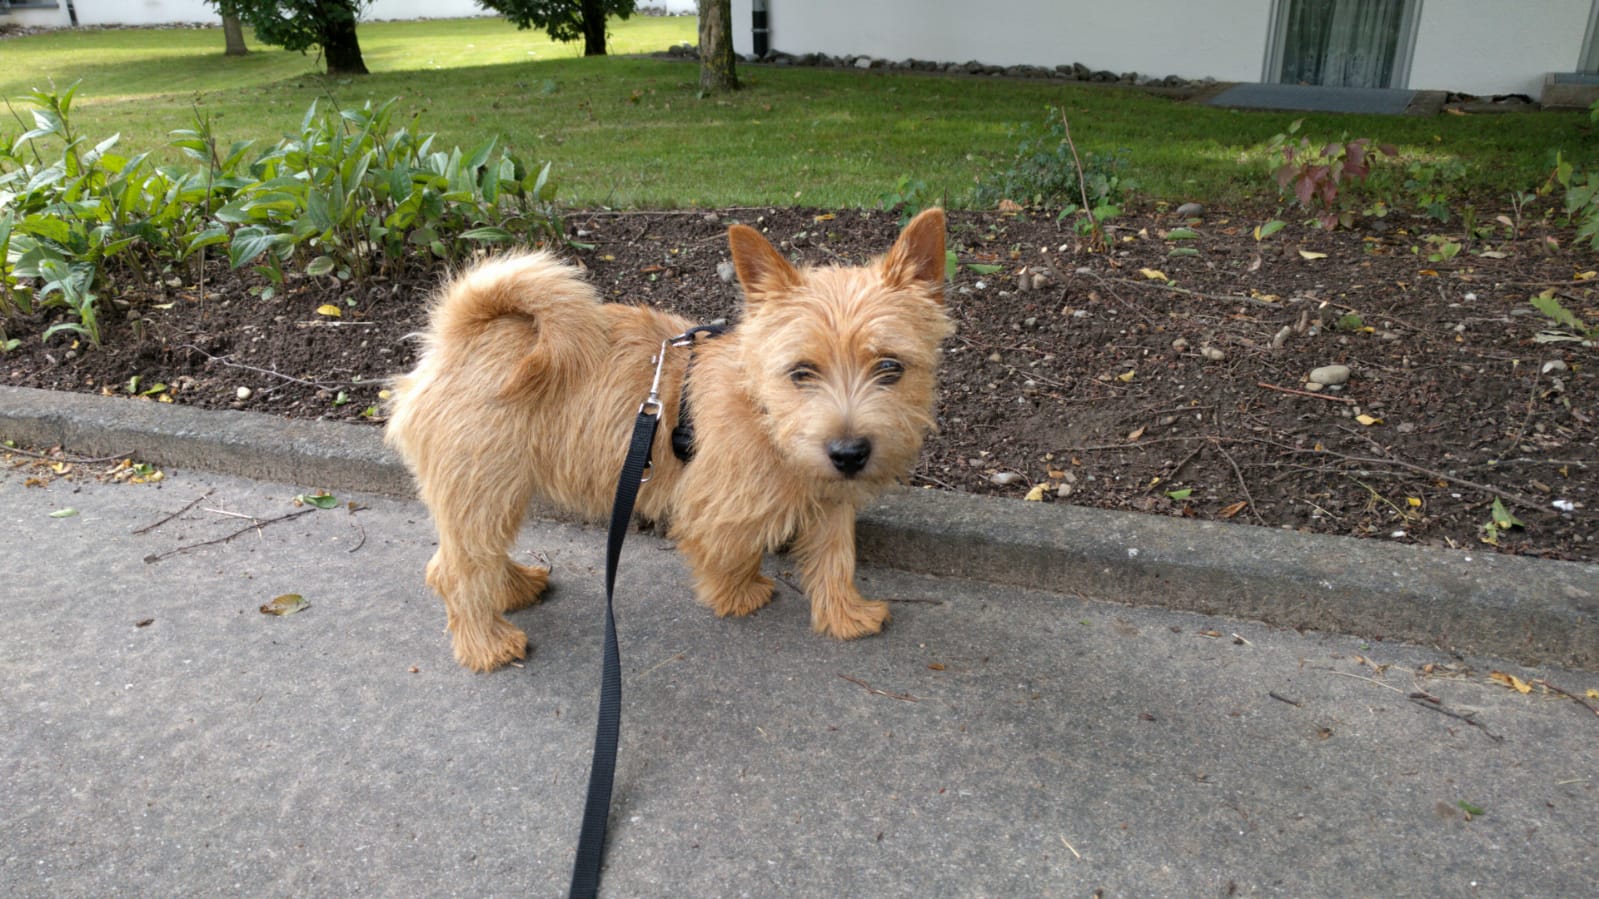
79	221
347	196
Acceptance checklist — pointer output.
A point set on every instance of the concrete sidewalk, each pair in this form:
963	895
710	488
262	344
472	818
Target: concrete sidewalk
164	737
1533	611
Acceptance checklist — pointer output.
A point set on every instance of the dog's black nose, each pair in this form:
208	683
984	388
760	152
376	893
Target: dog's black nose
849	454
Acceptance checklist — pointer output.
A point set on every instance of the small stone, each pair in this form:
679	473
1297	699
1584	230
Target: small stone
1180	344
1063	491
1553	365
995	357
725	271
712	218
1313	387
1329	375
1005	478
244	393
1190	211
1211	353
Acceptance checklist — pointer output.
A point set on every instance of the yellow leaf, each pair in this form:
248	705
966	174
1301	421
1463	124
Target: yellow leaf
1035	495
1126	376
1431	273
1593	694
1311	254
287	604
1153	274
1511	681
826	217
1415	501
1585	276
329	310
1367	420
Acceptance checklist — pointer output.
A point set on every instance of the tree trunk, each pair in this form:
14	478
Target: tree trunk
233	35
593	27
341	49
716	47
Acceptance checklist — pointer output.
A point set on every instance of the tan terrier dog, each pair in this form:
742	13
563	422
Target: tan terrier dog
813	404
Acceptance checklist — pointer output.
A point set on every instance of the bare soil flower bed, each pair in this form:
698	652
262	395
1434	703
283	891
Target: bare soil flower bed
1124	379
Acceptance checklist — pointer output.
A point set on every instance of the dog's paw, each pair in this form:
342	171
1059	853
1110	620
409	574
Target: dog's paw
488	644
743	598
525	586
849	620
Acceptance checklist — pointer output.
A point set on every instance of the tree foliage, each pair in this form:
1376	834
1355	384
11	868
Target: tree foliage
565	20
302	24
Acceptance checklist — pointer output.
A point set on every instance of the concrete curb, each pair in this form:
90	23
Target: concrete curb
1532	611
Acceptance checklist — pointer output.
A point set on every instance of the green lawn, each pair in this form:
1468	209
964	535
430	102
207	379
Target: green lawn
631	131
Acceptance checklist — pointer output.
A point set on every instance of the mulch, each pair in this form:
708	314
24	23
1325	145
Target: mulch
1133	378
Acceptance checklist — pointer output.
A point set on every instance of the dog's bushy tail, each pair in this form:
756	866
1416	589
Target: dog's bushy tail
535	305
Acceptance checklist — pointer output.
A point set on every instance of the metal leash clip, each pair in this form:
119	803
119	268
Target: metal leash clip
652	404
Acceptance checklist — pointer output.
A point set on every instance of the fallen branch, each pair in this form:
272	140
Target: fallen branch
871	689
1571	696
1320	396
192	503
63	457
254	526
1458	716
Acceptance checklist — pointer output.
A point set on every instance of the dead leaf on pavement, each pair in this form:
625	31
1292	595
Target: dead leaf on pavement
1511	681
287	604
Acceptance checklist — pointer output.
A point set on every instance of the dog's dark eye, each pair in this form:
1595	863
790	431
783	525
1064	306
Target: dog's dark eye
803	374
888	371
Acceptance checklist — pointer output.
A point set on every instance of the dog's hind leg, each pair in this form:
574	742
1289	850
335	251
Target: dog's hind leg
476	578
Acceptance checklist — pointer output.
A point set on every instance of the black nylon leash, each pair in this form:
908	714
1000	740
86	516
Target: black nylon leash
602	767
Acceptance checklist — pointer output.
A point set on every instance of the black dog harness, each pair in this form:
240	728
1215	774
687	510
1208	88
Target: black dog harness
683	434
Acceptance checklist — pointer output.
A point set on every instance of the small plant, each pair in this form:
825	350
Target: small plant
1443	249
1045	171
1318	178
1500	521
909	196
1431	185
1568	327
1582	198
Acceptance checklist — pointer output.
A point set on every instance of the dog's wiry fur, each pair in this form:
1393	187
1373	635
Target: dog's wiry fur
816	401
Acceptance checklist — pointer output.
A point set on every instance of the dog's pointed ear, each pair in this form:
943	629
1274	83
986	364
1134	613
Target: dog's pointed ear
918	256
761	269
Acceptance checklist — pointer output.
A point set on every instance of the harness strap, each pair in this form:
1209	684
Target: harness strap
683	433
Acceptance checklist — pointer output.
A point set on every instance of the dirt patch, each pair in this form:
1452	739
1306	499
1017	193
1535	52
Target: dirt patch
1131	379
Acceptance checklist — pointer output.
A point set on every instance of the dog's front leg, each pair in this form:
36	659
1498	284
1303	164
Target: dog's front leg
727	570
826	549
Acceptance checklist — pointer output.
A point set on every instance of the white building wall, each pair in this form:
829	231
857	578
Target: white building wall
1497	48
37	17
1463	45
1224	39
